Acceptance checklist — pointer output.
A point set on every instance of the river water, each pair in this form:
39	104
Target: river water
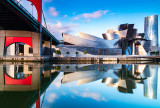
55	85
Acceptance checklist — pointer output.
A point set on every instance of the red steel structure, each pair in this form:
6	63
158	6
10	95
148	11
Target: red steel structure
38	5
26	40
11	81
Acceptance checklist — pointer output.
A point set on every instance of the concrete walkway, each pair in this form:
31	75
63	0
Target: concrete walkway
98	58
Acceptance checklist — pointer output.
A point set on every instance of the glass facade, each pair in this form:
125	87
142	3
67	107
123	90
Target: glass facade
151	29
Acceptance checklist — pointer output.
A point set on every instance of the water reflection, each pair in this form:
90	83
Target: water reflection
24	84
122	77
21	85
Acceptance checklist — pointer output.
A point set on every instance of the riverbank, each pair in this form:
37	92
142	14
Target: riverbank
92	59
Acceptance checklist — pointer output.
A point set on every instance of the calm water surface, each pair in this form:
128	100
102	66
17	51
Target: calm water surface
25	85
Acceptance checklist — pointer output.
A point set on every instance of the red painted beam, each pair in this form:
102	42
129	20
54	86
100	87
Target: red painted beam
37	4
38	101
11	81
11	40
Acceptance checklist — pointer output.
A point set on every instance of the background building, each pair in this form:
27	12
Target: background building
151	29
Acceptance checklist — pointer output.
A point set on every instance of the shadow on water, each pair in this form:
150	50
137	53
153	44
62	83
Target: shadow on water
22	84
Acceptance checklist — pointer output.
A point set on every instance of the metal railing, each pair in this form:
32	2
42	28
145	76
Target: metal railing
20	5
23	8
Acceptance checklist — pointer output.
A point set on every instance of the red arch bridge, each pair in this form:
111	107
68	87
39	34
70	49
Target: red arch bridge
17	25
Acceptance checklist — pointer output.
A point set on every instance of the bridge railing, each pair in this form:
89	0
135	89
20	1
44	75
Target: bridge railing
23	8
20	5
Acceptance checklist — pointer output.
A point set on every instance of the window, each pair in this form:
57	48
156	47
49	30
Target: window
30	50
30	68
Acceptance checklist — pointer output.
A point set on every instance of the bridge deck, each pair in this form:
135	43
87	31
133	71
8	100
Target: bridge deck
13	16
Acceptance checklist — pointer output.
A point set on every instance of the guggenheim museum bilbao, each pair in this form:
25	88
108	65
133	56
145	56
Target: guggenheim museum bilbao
123	41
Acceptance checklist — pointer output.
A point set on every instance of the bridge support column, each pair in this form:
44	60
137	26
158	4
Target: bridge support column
1	78
133	48
36	44
48	48
36	77
47	73
2	41
35	38
51	50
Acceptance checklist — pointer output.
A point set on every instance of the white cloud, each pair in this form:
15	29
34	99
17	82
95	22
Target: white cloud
93	15
60	28
91	95
87	21
65	16
76	18
94	96
53	11
51	97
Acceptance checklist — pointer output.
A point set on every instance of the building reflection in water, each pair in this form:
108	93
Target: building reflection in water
21	85
123	77
150	84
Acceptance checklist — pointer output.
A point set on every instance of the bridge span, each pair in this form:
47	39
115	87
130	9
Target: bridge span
21	33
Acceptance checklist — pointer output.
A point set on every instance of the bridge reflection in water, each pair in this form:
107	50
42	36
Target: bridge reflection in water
22	84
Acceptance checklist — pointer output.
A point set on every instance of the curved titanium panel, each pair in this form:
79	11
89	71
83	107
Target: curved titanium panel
110	81
104	36
101	42
110	36
123	33
132	33
141	34
98	43
88	36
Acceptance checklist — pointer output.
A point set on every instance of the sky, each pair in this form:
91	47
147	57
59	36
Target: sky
94	16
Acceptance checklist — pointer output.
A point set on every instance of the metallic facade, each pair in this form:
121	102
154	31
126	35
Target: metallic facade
125	38
111	35
151	29
151	83
87	40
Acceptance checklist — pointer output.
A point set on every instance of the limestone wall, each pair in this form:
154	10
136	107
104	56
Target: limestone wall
11	50
91	52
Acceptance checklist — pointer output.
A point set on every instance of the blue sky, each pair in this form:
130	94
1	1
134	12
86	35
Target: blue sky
96	16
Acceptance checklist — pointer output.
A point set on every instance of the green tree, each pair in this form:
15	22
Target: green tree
57	67
85	52
67	67
58	52
76	53
84	67
67	52
157	53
